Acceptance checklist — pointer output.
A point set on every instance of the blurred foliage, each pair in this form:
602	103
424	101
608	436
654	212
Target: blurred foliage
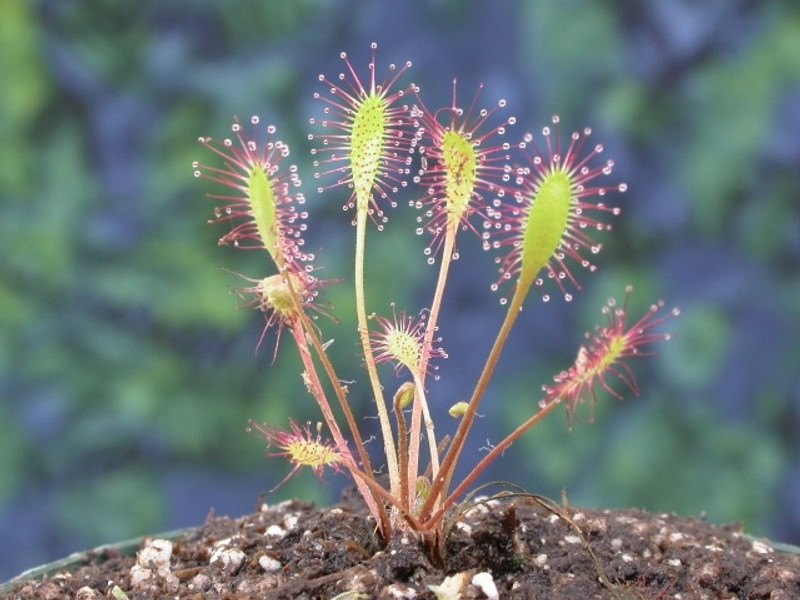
125	368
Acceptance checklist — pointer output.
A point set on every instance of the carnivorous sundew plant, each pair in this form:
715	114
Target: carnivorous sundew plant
539	204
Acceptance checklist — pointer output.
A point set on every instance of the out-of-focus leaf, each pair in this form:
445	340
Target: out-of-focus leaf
26	89
701	341
122	505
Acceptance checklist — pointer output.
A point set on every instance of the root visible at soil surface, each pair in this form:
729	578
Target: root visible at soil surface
509	548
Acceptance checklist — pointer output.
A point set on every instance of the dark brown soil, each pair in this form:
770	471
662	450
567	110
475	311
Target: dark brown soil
515	545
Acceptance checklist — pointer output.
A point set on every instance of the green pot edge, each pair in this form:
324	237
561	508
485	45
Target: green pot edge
777	546
76	560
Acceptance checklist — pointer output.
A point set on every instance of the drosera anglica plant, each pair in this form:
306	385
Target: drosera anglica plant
538	203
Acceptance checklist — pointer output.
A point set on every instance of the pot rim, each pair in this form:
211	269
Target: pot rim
76	560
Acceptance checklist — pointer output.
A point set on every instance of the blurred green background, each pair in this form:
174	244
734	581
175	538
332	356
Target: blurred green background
127	375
